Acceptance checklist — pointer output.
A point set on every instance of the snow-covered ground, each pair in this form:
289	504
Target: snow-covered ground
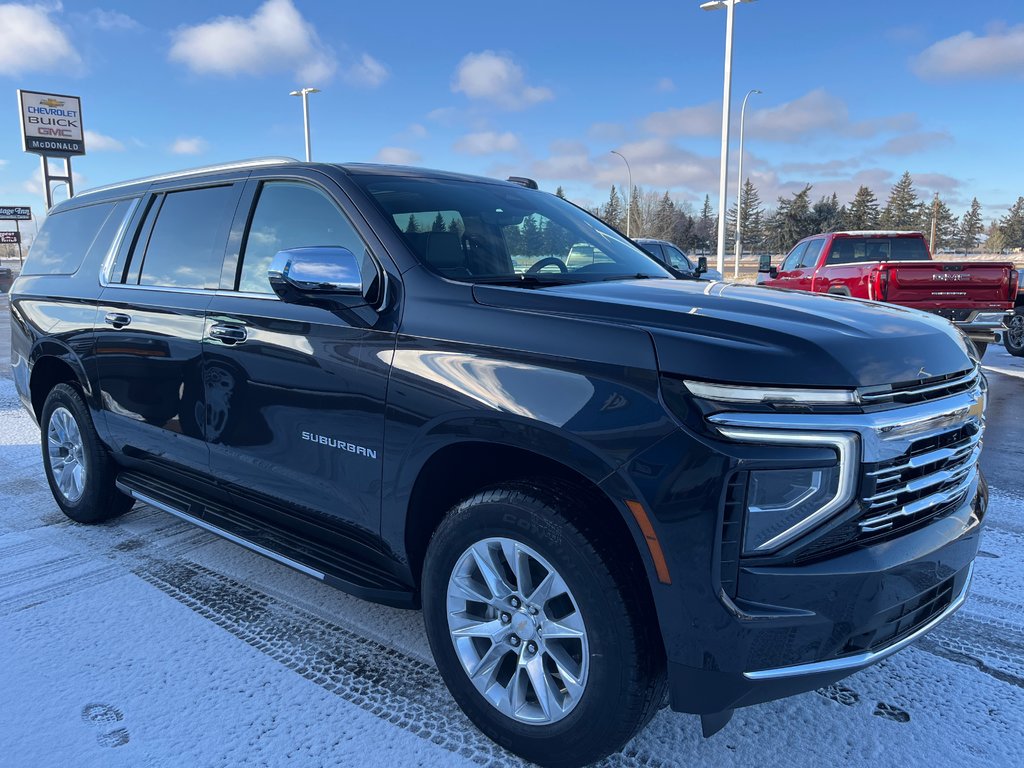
148	642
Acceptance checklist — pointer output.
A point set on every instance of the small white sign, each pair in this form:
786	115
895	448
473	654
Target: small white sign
51	124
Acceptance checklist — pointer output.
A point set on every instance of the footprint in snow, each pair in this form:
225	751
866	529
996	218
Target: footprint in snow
890	712
103	716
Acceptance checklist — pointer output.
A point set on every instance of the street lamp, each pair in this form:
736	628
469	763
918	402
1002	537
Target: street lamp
629	198
723	185
304	93
739	187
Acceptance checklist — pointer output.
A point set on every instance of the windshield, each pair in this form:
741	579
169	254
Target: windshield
478	232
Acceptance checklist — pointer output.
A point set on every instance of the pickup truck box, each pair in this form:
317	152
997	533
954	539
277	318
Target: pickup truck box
599	481
896	267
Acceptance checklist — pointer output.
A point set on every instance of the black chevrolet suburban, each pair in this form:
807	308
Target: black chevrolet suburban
604	485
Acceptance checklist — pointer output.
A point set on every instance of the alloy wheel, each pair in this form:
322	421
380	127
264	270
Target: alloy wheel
66	454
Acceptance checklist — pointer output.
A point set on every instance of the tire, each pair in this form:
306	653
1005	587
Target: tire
78	468
619	659
1013	336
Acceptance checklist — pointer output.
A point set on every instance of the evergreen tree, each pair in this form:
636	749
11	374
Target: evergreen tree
971	227
946	226
664	218
1011	226
412	226
560	192
996	242
706	227
455	226
752	217
438	225
612	213
863	214
794	220
825	215
902	209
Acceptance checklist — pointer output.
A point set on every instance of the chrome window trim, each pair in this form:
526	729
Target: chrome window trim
238	165
845	445
869	657
884	435
115	246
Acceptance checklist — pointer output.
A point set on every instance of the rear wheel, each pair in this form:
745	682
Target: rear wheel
77	466
544	636
1013	336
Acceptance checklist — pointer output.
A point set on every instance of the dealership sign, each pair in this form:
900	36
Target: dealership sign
15	213
10	238
51	124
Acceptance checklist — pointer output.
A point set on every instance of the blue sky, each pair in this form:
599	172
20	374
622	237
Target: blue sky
854	92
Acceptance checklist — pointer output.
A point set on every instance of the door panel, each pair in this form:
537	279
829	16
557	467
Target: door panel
295	393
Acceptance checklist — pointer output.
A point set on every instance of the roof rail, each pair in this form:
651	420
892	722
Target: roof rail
523	181
258	161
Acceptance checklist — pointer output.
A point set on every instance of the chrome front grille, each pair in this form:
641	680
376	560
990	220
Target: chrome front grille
935	474
923	390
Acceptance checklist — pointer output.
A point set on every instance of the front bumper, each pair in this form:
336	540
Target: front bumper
816	624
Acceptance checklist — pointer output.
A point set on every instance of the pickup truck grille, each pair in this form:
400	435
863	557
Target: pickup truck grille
923	390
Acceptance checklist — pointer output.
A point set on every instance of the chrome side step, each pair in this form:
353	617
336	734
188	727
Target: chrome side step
164	506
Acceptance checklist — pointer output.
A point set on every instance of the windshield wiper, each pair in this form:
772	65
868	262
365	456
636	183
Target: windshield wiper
526	281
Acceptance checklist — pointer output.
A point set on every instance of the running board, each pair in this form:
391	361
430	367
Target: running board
337	569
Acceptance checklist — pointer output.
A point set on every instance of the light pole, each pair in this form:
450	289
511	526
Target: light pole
629	197
723	184
739	188
304	93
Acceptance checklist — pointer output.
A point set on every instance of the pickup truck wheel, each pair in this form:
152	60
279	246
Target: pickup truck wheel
1013	336
538	629
77	466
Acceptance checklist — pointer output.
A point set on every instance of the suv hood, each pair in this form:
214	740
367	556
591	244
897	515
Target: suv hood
746	334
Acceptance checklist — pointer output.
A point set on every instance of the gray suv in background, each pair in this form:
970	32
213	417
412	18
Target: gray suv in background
667	253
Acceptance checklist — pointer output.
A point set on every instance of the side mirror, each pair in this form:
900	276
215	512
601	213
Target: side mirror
764	265
702	265
301	275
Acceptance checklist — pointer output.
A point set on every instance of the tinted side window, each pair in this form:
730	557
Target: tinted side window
654	249
794	258
678	259
64	240
290	215
186	247
810	257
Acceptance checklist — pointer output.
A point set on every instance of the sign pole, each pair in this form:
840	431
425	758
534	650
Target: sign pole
17	227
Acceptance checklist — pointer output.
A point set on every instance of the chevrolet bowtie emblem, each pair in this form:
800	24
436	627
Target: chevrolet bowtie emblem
52	103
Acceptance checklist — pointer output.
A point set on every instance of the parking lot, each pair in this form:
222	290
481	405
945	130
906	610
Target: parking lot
149	642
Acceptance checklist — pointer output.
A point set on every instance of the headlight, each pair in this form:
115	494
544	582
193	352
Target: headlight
783	504
731	393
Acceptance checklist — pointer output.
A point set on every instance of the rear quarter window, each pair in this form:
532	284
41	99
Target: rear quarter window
66	238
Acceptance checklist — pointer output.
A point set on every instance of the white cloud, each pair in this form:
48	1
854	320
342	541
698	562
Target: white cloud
496	78
276	37
487	143
108	21
703	120
911	143
32	42
416	131
189	145
98	142
398	156
665	85
367	72
1000	52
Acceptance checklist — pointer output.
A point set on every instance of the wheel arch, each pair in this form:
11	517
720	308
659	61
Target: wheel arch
53	364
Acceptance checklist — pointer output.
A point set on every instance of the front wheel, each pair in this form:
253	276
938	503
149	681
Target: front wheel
1013	336
543	634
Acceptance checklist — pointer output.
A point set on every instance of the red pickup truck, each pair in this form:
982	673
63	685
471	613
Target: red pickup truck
896	267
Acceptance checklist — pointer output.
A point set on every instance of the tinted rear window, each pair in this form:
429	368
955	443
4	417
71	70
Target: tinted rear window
848	250
64	240
186	248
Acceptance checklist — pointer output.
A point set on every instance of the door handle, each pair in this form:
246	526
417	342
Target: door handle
229	334
117	319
